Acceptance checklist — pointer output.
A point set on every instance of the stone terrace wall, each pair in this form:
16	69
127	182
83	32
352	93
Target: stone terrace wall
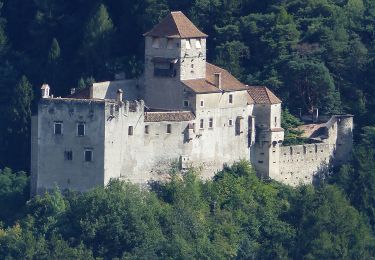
299	163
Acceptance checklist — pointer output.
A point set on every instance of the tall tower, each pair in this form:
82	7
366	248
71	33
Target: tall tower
175	50
267	112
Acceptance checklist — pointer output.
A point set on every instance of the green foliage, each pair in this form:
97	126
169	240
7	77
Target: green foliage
235	216
14	192
293	136
358	178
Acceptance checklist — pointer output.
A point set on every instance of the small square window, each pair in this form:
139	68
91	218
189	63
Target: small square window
68	155
230	99
130	130
111	110
186	103
81	129
198	44
188	45
202	103
211	123
170	44
230	122
155	43
147	129
58	128
201	124
169	128
88	155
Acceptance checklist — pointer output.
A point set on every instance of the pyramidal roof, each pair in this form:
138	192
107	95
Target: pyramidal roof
262	95
176	25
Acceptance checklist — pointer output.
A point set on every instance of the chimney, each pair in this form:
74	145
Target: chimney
72	91
45	90
119	95
218	80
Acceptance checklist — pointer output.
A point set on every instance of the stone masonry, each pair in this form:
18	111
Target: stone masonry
184	112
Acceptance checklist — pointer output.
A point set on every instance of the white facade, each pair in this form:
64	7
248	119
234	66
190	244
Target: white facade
190	117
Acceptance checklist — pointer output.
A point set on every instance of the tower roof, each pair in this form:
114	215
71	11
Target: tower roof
176	25
262	95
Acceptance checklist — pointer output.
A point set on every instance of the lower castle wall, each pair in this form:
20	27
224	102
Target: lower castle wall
299	163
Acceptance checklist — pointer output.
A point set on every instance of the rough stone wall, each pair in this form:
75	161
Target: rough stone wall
144	156
162	92
167	92
34	164
216	145
299	163
265	156
52	167
193	60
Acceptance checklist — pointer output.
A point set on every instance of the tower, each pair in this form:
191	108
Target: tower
269	134
175	50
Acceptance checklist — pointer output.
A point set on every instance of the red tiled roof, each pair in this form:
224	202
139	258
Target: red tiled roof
207	85
262	95
176	25
174	116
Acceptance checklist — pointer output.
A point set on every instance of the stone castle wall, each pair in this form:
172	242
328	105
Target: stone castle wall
299	163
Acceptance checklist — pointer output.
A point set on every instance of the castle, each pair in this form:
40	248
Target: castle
184	111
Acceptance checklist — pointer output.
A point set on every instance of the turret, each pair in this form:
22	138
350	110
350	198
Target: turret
175	50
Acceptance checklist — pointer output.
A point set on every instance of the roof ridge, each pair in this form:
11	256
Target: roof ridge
175	23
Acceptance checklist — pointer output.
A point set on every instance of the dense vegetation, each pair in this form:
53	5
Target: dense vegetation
311	53
234	216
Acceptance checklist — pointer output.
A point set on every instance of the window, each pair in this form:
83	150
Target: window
188	45
170	44
155	43
198	44
162	69
192	65
81	129
88	155
111	109
169	128
230	122
201	124
202	103
147	129
130	130
68	155
58	128
230	99
211	123
186	103
275	121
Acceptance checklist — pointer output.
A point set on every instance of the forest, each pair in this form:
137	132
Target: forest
311	53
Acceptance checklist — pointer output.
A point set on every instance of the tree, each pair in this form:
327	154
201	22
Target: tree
98	38
329	227
293	136
230	54
14	192
313	84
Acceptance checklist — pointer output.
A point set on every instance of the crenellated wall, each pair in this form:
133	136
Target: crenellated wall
300	163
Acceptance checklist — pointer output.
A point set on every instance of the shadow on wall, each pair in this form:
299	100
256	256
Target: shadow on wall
324	171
